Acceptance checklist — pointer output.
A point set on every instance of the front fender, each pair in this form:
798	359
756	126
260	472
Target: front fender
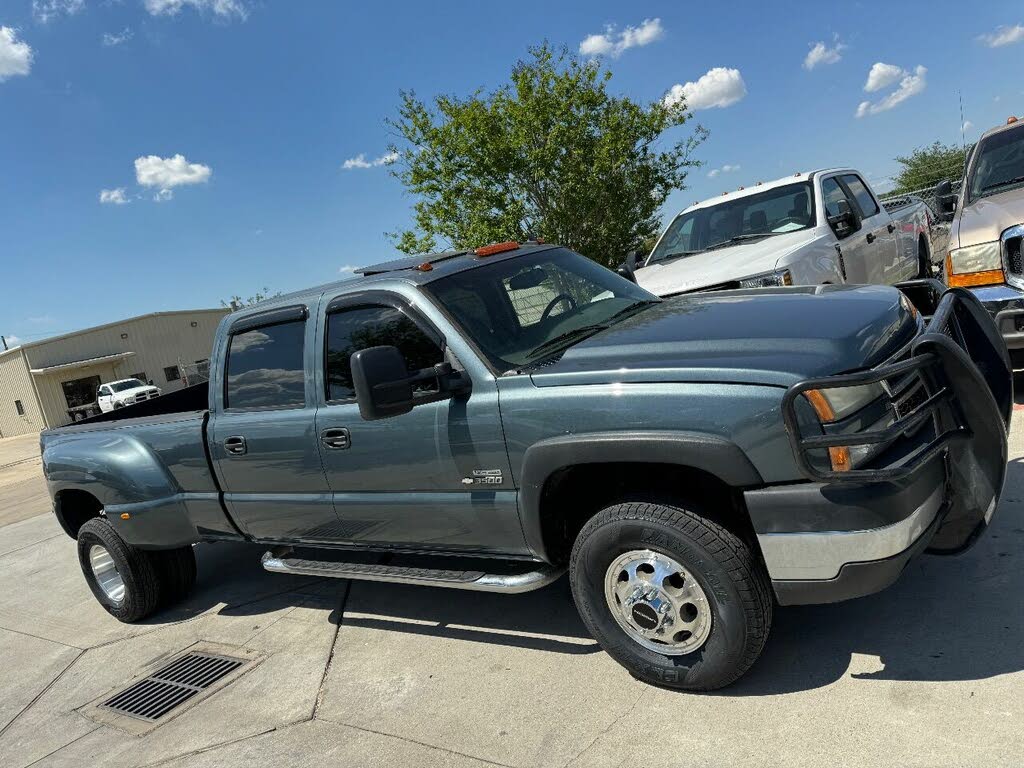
710	453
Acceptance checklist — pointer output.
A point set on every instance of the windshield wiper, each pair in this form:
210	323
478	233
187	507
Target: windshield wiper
742	239
622	313
564	338
1005	183
675	255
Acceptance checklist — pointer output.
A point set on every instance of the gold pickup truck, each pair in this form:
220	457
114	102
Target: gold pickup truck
988	228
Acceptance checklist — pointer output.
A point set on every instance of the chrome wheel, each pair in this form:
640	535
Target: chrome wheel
105	571
657	602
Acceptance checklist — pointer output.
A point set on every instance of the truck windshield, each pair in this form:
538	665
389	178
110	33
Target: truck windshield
774	212
1000	164
121	386
519	311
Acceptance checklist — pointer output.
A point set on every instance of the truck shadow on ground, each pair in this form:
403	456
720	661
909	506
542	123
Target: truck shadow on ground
946	619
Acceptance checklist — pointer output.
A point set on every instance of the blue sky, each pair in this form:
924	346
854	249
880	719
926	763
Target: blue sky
224	125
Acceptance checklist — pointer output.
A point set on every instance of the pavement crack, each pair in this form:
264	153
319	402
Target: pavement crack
334	644
33	544
62	746
426	744
607	729
40	637
39	695
218	745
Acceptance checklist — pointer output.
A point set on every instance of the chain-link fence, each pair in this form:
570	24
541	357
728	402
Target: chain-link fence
927	195
194	373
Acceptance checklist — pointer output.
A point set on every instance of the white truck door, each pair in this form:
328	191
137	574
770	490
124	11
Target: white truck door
884	263
103	399
852	247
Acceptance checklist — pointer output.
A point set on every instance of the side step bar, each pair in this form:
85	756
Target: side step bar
429	577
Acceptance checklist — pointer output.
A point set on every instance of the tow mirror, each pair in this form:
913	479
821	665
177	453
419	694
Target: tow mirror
628	267
384	387
945	197
845	222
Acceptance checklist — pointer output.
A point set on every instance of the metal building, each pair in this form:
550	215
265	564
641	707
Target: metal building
53	382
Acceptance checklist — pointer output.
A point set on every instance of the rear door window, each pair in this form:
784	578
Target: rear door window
265	367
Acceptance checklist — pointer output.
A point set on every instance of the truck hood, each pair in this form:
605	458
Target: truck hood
722	265
984	220
773	336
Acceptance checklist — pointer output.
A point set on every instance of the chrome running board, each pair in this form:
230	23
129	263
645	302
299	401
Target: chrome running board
479	581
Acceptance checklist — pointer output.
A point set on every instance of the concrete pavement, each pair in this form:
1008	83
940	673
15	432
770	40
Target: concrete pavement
927	673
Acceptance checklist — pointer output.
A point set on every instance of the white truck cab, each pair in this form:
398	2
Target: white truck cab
118	394
827	226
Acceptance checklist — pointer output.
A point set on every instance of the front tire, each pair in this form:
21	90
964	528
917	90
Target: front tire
123	579
675	598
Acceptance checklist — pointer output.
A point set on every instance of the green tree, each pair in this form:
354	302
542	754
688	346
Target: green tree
550	153
927	166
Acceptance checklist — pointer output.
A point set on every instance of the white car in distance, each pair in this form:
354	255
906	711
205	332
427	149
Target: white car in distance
118	394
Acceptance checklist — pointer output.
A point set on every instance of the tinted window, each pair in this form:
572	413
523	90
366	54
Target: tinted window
264	368
1000	165
833	194
359	328
867	204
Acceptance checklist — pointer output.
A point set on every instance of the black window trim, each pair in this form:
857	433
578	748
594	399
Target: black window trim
372	298
853	197
280	316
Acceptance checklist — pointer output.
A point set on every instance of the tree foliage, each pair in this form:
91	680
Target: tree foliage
927	166
237	302
551	153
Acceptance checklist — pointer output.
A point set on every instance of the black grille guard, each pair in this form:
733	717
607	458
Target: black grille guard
964	366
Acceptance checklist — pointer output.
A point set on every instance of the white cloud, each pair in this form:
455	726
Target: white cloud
45	11
12	342
110	39
165	173
348	268
882	76
967	125
724	169
822	54
360	161
114	196
1003	36
720	87
616	43
15	55
225	9
909	85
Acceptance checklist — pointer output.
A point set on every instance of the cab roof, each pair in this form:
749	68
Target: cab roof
408	269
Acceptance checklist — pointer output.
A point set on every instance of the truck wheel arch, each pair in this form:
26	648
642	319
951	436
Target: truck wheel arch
701	457
73	507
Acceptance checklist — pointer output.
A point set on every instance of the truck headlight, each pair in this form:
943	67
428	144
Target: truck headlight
836	403
768	279
975	265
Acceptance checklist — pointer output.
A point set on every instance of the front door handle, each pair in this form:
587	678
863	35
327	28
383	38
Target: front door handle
871	237
235	445
891	228
337	438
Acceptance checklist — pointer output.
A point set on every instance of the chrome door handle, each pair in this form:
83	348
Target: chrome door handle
337	438
235	445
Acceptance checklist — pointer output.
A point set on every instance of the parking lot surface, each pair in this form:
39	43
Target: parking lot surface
927	673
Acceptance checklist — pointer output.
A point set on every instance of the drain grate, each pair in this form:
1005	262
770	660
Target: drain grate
171	686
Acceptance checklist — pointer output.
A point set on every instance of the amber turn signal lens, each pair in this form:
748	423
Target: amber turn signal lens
840	456
987	277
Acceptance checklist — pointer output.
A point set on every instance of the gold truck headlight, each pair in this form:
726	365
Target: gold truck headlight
975	265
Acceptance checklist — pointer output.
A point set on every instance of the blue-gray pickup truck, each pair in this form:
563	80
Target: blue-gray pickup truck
491	419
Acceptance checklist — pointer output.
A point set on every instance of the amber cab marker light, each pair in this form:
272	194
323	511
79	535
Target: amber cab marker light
1011	120
125	516
426	266
490	250
988	277
839	456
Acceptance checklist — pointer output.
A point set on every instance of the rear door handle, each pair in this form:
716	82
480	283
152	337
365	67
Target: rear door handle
235	445
336	438
891	228
871	237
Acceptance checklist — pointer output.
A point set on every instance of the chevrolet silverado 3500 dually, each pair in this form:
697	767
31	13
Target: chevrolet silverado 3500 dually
507	414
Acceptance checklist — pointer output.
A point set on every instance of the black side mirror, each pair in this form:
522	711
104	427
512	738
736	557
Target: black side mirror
384	386
846	222
628	267
382	383
945	197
